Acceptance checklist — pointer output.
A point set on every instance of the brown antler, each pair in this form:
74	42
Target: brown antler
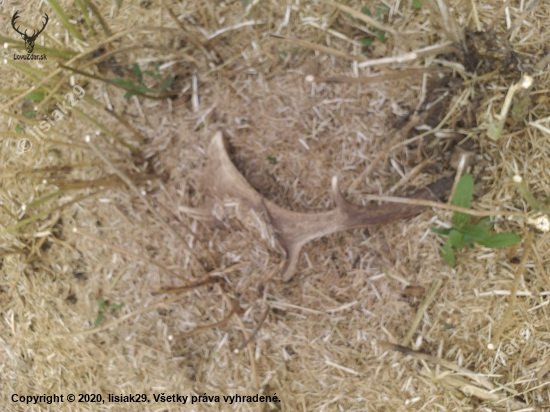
221	177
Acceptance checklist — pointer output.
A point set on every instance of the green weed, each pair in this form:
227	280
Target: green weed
462	234
381	11
141	87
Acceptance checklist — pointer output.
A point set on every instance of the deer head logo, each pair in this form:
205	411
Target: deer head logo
29	40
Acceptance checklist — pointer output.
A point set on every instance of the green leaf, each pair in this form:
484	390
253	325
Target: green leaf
456	238
366	11
282	54
18	129
483	223
367	41
381	10
36	96
245	3
100	303
380	34
167	83
98	319
137	72
448	254
462	197
476	233
128	95
30	114
501	240
440	230
417	4
272	160
153	75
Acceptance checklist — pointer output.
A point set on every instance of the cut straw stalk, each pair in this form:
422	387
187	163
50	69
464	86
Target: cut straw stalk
513	292
439	205
421	309
394	75
320	48
495	128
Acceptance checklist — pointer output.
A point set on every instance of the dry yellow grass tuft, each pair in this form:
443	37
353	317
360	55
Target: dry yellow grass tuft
304	91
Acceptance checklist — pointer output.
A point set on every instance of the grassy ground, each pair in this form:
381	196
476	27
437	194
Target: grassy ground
103	287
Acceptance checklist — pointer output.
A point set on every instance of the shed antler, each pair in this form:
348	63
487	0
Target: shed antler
221	177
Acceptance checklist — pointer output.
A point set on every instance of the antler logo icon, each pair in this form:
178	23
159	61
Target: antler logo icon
29	40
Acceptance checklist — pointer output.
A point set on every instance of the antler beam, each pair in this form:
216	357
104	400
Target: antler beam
221	177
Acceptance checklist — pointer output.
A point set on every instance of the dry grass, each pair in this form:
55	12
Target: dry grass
316	348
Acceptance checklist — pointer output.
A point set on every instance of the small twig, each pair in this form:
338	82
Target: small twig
458	101
513	292
421	309
180	289
394	75
439	205
210	325
254	332
131	184
387	60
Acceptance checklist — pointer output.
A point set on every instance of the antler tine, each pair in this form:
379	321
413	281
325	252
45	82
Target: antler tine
296	229
44	26
15	16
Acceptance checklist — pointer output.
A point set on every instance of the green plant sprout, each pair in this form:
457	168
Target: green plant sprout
462	234
381	11
141	87
103	307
